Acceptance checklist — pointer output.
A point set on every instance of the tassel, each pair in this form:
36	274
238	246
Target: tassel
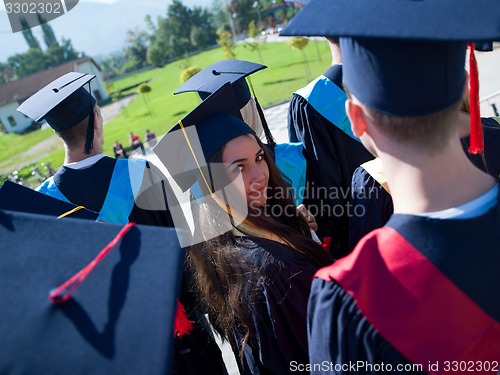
89	137
64	291
269	137
327	241
476	130
182	324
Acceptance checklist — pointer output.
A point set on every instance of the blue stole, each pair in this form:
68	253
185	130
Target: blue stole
119	202
329	100
291	162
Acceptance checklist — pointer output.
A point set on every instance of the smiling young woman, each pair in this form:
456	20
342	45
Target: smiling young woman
243	155
251	249
255	279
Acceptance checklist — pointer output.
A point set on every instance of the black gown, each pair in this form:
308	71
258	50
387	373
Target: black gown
332	156
89	187
411	294
279	314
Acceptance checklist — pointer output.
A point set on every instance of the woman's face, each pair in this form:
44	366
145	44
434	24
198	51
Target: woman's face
243	155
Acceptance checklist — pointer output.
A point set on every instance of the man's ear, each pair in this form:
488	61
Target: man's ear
96	120
357	118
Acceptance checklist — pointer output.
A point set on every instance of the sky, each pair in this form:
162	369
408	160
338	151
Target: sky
96	27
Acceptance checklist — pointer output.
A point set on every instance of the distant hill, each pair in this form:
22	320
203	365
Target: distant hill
94	28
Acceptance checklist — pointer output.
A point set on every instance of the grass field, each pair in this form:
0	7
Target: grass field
285	73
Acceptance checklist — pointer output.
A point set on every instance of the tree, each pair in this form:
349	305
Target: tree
254	44
49	37
3	79
226	42
219	15
144	90
28	35
61	53
35	60
298	43
179	22
113	65
159	50
30	62
188	73
157	54
137	47
7	74
243	13
203	33
183	30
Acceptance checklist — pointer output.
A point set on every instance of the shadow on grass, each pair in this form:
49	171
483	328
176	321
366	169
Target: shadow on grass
300	62
282	81
179	113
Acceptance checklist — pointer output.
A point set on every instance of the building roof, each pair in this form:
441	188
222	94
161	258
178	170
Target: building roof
25	87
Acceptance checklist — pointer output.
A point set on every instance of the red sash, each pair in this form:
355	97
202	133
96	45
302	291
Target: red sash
416	308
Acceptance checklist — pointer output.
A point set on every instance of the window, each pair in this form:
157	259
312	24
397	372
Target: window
2	128
12	121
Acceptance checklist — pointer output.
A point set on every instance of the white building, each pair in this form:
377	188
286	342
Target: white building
12	94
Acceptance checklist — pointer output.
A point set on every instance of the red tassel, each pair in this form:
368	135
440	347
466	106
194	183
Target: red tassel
182	324
64	291
476	130
327	241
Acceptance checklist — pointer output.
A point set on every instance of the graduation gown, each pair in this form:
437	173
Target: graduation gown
279	314
377	202
196	352
331	154
90	187
411	293
377	205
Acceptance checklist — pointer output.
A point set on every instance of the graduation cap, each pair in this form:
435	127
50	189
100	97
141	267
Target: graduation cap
119	320
15	197
210	79
185	156
484	46
187	147
405	57
63	103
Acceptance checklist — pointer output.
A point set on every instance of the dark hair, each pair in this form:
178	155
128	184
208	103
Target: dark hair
224	275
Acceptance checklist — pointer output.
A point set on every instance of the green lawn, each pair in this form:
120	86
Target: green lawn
13	144
285	74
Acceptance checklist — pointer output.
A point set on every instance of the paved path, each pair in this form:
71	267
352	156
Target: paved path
276	117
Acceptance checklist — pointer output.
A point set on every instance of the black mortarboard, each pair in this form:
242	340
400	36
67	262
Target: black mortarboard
63	103
401	57
119	320
210	79
484	46
15	197
185	149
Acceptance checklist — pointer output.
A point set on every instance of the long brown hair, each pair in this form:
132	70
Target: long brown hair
227	280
